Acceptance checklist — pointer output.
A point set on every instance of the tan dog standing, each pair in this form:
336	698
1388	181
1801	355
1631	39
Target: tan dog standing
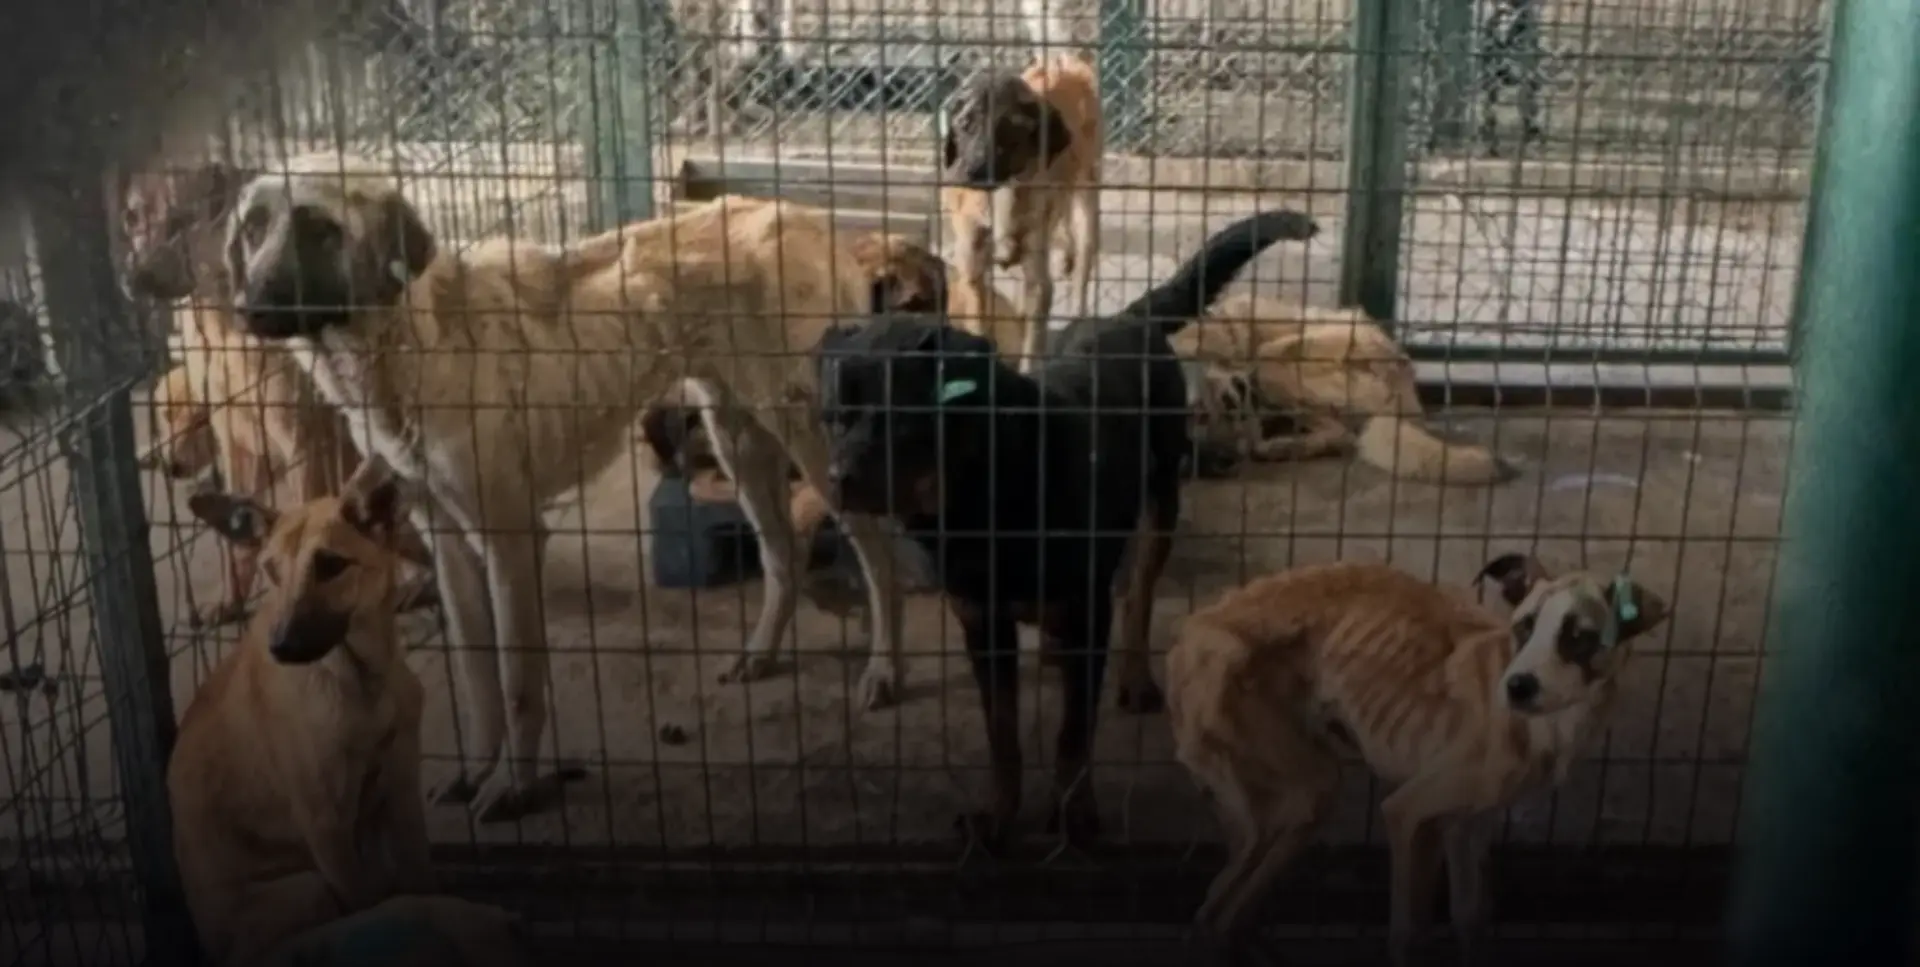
295	782
1459	709
1022	154
469	372
1341	382
264	416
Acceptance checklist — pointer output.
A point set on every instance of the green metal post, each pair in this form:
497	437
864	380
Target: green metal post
1123	78
1832	827
1453	40
623	81
1376	157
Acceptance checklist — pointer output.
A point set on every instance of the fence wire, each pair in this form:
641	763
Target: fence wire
1657	210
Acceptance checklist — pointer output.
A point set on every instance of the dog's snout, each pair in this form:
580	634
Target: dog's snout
307	636
1522	689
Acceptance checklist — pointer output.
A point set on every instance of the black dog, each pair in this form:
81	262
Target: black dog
1026	491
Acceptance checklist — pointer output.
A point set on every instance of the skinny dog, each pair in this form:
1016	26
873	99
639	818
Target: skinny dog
295	782
916	410
462	370
1023	154
263	415
1459	709
1337	382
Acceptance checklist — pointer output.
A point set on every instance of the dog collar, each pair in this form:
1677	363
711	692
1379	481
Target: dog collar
943	125
957	388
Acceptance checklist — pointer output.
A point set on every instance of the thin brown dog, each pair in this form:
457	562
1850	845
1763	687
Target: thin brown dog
1458	708
295	782
1021	153
265	418
1321	373
468	372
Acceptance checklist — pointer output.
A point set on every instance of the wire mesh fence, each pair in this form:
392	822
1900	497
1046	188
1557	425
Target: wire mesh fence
1653	217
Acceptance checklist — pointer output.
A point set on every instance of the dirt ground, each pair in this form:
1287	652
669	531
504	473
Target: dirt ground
1691	500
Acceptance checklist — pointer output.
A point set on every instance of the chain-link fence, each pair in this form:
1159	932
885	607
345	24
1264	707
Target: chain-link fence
1653	217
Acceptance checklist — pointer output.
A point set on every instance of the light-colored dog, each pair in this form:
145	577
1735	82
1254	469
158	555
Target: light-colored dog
412	931
1459	709
470	372
1022	155
295	782
1333	377
264	417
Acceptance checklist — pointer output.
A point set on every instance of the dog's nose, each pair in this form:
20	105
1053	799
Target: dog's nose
1522	688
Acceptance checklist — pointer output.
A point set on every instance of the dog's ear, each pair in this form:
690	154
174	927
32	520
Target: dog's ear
1516	574
400	240
240	520
1051	128
1637	609
372	499
216	189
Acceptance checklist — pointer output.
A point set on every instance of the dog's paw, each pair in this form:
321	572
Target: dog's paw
746	668
1075	820
504	803
983	831
215	615
457	791
1142	698
1008	253
879	687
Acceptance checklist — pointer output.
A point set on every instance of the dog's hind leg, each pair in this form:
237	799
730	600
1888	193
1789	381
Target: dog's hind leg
1083	222
275	913
1080	642
1287	810
1147	558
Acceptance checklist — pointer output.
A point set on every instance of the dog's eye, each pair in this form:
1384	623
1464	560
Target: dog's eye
1580	645
254	226
1523	629
328	565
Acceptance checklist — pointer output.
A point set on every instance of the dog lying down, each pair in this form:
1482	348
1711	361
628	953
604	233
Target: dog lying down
1459	709
1027	492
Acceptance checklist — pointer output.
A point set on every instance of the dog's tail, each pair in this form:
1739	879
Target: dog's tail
1193	288
1406	449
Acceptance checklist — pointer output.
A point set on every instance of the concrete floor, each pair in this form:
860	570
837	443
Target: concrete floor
1691	500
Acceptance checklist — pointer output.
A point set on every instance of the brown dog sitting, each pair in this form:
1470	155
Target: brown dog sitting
1459	708
295	783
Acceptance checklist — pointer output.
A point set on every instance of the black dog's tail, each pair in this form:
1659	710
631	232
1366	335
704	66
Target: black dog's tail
1186	295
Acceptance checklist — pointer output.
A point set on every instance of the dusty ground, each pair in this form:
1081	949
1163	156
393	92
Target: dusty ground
1691	499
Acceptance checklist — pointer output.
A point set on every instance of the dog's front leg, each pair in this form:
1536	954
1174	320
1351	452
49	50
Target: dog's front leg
1466	842
1079	640
1414	814
513	580
1037	285
461	582
993	648
402	830
757	462
886	664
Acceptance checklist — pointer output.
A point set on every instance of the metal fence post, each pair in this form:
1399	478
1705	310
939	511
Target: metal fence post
1123	80
1453	42
1376	156
1832	825
100	354
623	80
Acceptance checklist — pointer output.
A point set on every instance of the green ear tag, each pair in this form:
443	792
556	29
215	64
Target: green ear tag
1623	606
954	389
942	124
